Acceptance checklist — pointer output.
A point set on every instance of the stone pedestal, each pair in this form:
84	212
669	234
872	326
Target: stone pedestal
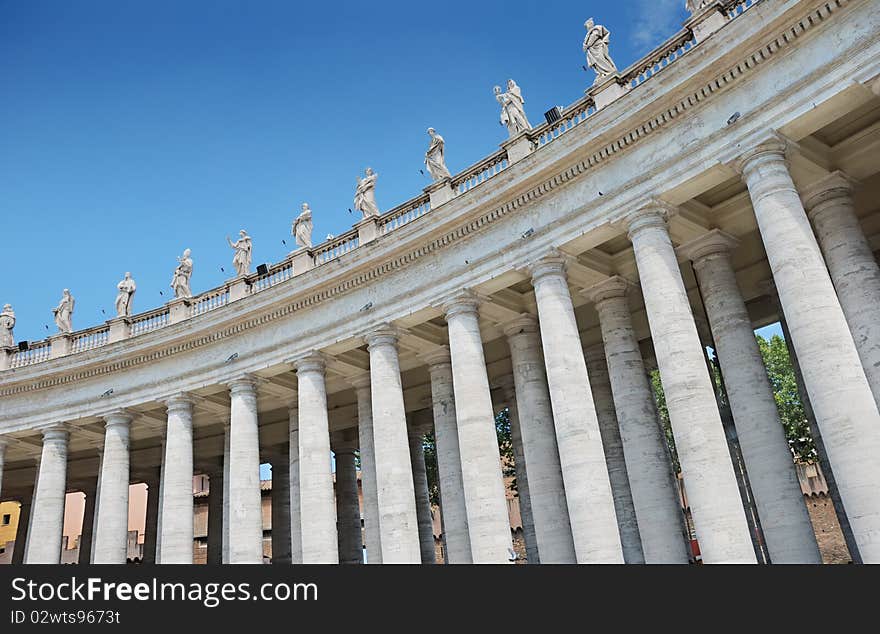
706	21
440	192
239	288
303	260
60	345
611	89
518	147
120	328
179	309
6	355
368	230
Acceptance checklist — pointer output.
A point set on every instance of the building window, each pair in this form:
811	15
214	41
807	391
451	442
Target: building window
7	518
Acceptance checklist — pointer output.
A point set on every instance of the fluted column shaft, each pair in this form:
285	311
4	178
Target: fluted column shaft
546	489
296	532
452	504
398	523
853	268
842	400
627	522
317	504
369	487
111	521
175	544
423	499
588	492
708	474
649	469
47	517
281	541
348	511
245	512
785	521
488	522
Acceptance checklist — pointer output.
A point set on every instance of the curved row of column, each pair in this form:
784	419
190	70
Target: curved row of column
593	469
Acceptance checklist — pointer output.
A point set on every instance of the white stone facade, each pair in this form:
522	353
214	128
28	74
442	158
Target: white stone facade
758	122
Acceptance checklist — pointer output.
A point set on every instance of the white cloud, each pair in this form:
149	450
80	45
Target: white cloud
655	21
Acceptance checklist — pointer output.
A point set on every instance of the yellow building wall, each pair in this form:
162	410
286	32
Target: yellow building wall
7	531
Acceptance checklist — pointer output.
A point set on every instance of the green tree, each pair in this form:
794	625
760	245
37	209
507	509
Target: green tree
505	447
663	411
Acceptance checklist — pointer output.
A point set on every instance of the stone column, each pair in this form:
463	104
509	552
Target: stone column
778	497
522	476
175	542
488	521
86	533
839	392
587	485
627	523
712	489
317	508
423	498
111	520
151	523
651	480
368	469
398	524
245	512
224	545
47	517
854	271
21	532
452	506
296	549
281	505
215	516
2	461
348	512
553	537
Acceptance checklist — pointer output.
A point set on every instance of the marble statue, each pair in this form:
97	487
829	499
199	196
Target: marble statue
243	252
126	287
434	157
64	312
365	194
180	280
513	114
696	5
596	48
7	323
302	227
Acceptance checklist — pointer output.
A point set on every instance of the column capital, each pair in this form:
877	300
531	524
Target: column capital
613	287
710	244
313	361
245	384
55	431
833	186
653	213
772	148
465	301
525	323
383	335
552	264
437	357
180	402
117	417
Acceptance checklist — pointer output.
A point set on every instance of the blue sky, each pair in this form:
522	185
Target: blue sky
132	130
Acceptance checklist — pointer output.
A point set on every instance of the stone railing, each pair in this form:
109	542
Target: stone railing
149	321
277	273
479	172
404	214
571	116
91	338
37	352
338	246
659	58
